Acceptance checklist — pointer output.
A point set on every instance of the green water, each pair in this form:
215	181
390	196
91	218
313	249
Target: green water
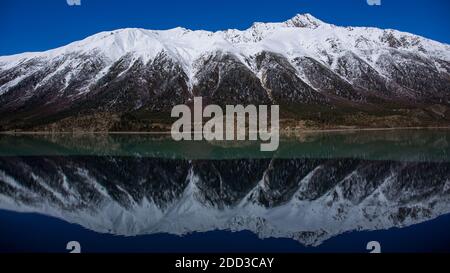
400	145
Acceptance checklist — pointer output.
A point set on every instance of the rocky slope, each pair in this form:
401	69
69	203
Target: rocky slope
129	79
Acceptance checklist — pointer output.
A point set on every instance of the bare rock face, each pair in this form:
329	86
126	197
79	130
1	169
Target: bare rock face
361	74
322	78
281	79
138	75
223	79
130	84
413	73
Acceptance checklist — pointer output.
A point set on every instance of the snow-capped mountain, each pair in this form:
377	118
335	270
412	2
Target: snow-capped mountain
113	75
307	199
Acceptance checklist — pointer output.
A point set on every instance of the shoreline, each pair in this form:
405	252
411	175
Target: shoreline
282	132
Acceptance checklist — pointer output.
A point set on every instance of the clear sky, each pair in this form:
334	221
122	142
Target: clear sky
36	25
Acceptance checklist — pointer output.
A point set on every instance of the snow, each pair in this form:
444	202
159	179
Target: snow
186	45
13	83
302	35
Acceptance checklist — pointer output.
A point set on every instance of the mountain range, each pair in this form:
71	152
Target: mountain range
321	75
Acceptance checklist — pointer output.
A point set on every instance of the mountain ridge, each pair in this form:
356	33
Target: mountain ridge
302	61
298	21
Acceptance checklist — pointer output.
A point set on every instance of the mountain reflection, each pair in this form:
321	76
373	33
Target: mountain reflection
312	189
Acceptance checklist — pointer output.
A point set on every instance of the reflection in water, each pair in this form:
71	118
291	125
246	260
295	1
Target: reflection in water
312	189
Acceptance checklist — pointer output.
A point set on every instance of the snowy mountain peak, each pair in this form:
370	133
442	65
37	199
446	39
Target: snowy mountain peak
304	20
318	56
302	34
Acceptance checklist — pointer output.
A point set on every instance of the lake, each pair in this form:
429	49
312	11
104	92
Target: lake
319	192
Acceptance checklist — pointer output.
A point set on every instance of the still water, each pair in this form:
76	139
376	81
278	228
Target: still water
332	191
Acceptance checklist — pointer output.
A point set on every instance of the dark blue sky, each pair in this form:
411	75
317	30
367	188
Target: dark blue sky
36	25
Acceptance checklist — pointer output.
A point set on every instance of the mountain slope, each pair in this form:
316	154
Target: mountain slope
120	79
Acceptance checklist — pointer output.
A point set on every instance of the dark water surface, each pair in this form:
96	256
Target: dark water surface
139	192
